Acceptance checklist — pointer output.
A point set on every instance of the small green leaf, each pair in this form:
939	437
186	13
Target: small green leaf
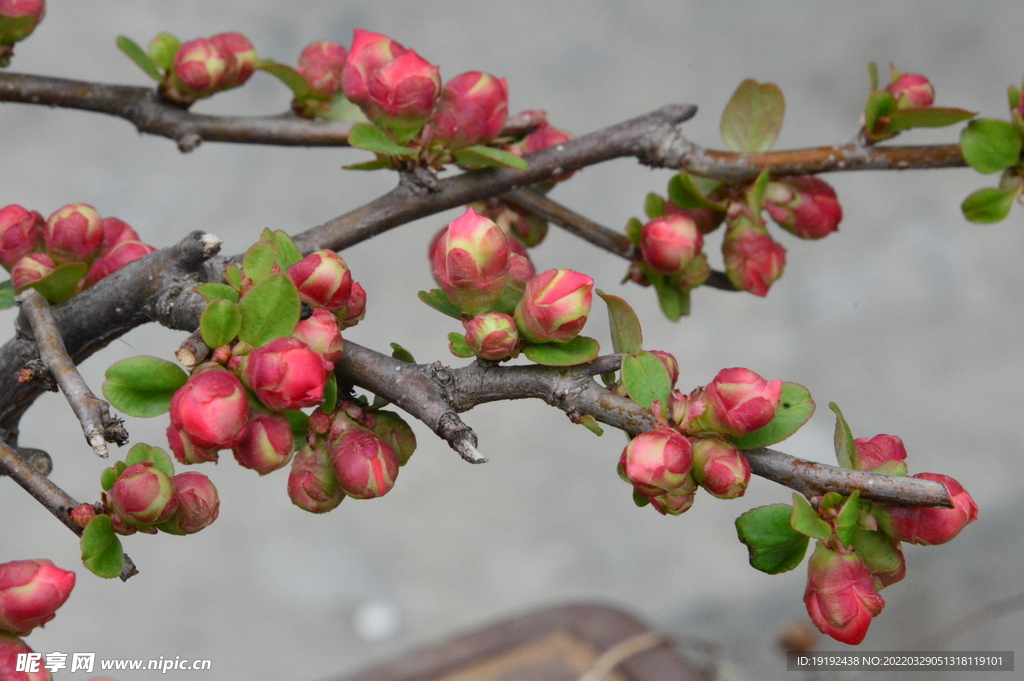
684	192
287	252
330	400
371	138
458	346
7	295
806	520
878	551
988	205
62	283
220	323
300	425
437	299
480	156
878	105
847	520
591	424
141	59
646	379
756	192
577	351
286	74
101	549
158	457
401	354
270	310
259	260
215	291
142	386
873	74
931	117
163	49
110	475
773	544
625	325
753	117
674	302
634	228
377	164
233	275
795	408
639	499
843	439
654	205
342	111
990	145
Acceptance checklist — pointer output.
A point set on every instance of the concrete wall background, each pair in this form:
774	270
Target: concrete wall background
909	318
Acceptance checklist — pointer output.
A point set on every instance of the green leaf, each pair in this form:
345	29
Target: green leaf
377	164
330	400
654	205
142	386
110	475
753	117
684	192
7	295
756	192
233	275
287	252
163	49
795	408
634	229
259	260
877	550
141	59
401	354
371	138
342	111
873	74
286	74
270	310
847	520
674	302
437	299
639	499
773	544
931	117
215	291
577	351
142	452
806	520
990	145
101	549
480	156
625	325
591	424
300	425
220	323
62	283
988	205
646	379
879	104
458	345
843	439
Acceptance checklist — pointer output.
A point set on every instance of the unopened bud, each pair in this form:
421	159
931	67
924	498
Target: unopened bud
753	260
312	485
554	306
198	504
365	465
73	233
878	451
212	408
323	279
199	71
30	593
240	58
18	18
321	333
470	261
119	256
931	526
720	468
806	206
83	514
669	244
143	495
31	269
393	429
841	598
912	91
286	374
658	461
21	232
737	402
492	335
267	444
471	110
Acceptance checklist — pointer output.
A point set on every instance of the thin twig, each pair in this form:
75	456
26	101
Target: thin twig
99	426
193	350
607	661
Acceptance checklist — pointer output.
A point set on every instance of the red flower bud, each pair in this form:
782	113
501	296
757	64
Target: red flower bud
321	333
143	495
911	91
199	70
543	138
312	485
354	310
492	335
115	231
82	515
286	374
720	468
198	504
470	261
737	402
840	597
31	269
320	65
211	408
119	256
368	53
393	429
753	260
804	205
472	109
21	232
18	18
554	306
14	662
267	444
74	232
657	462
870	453
674	503
669	244
239	55
30	593
366	466
706	219
930	526
185	450
323	279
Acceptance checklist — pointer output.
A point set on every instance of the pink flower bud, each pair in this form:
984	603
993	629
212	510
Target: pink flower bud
14	663
393	429
83	514
492	335
115	231
543	138
143	495
354	310
320	65
185	450
286	374
121	527
554	306
676	502
930	526
841	597
239	55
323	279
912	91
658	461
198	504
878	451
31	269
737	402
18	18
267	444
804	205
402	94
669	244
199	71
470	261
472	109
671	365
720	468
312	485
119	256
706	219
212	408
321	333
753	260
30	593
21	232
368	53
366	466
74	232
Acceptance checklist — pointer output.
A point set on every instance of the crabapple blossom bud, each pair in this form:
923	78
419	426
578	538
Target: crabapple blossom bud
737	402
393	429
706	219
720	468
554	306
198	504
121	527
31	269
471	110
671	365
470	262
930	526
119	256
321	333
199	70
74	232
658	461
676	502
239	55
267	444
669	244
115	231
806	206
369	51
312	485
30	593
21	231
354	310
323	279
542	138
143	495
13	652
366	466
492	335
403	93
840	597
18	18
212	408
753	260
286	374
82	514
185	450
320	65
912	91
880	450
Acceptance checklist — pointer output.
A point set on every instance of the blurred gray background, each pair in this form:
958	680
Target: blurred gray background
909	318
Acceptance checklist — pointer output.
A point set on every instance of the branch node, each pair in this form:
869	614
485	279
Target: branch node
189	142
36	370
460	437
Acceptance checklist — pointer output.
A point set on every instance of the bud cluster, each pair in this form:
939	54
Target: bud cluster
905	91
18	18
74	239
202	67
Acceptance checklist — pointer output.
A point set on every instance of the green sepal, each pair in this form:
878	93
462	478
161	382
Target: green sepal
216	291
685	191
795	408
577	351
7	296
101	549
270	310
755	194
591	424
299	422
142	452
753	117
163	49
141	59
654	205
990	145
846	522
287	252
639	499
401	354
110	475
646	379
843	439
233	275
806	520
142	386
988	205
62	283
626	334
480	156
774	546
286	74
330	400
371	138
634	230
930	117
437	299
880	103
379	163
458	346
220	323
260	260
